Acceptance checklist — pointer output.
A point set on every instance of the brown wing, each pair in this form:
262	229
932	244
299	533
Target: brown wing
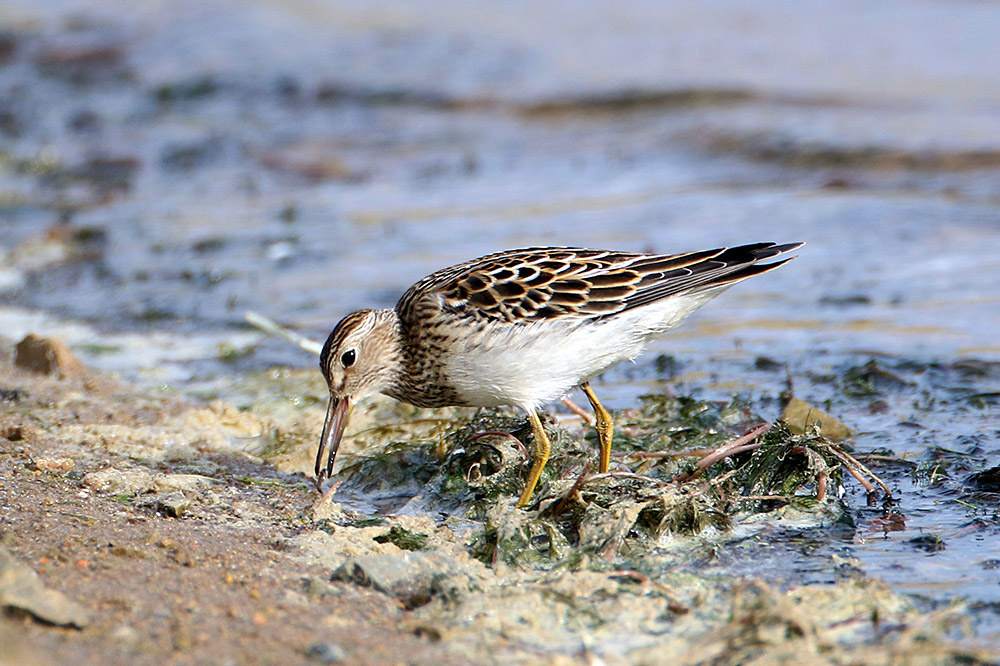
541	283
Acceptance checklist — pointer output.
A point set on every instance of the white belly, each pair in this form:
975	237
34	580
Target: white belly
528	366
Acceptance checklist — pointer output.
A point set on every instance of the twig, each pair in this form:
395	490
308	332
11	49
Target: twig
818	463
723	478
579	411
856	469
572	491
883	458
689	453
874	477
738	445
640	578
327	496
268	325
851	469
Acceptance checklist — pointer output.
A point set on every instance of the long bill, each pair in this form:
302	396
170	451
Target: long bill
333	431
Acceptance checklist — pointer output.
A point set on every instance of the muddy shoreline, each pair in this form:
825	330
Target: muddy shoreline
166	167
209	556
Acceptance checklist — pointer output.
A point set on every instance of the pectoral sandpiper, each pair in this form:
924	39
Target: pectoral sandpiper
522	328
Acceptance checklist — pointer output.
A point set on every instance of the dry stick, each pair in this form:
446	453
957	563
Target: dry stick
884	458
821	486
326	496
850	468
572	491
738	445
820	465
689	453
849	461
268	325
640	578
723	478
708	461
867	471
579	411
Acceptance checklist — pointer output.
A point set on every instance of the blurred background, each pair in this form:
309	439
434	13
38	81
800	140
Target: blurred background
166	166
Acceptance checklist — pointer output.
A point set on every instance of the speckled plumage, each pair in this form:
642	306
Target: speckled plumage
522	328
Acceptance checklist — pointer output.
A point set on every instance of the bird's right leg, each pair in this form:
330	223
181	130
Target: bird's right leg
542	449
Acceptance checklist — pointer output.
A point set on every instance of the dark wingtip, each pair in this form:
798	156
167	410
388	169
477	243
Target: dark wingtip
787	247
756	253
761	252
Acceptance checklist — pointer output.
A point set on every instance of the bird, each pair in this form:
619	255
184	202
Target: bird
522	328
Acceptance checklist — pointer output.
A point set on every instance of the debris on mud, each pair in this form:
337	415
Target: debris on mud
21	589
46	356
800	416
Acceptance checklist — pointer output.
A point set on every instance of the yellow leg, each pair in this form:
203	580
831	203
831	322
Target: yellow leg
605	426
542	448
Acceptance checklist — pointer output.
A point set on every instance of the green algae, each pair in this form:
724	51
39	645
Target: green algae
403	538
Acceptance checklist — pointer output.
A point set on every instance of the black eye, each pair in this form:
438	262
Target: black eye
348	358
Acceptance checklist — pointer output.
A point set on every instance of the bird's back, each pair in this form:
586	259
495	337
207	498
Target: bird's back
523	327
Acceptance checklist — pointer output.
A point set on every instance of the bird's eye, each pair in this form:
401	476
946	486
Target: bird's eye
349	357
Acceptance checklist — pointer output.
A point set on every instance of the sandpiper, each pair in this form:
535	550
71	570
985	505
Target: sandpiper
522	328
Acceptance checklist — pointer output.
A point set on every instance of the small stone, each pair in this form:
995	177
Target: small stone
317	588
11	395
184	483
55	464
173	505
22	588
46	356
128	552
126	636
412	577
326	653
120	481
987	480
929	543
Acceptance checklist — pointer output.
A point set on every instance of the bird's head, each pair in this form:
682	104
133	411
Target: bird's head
361	357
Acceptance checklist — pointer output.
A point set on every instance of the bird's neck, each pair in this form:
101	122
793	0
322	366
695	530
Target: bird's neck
418	378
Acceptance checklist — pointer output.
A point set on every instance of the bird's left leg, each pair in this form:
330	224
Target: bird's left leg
605	426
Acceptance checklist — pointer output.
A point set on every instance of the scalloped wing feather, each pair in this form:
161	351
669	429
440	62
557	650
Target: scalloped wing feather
541	283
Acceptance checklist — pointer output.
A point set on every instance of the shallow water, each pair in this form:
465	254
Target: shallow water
164	168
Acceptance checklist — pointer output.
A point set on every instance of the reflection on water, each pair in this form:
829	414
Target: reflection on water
165	168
